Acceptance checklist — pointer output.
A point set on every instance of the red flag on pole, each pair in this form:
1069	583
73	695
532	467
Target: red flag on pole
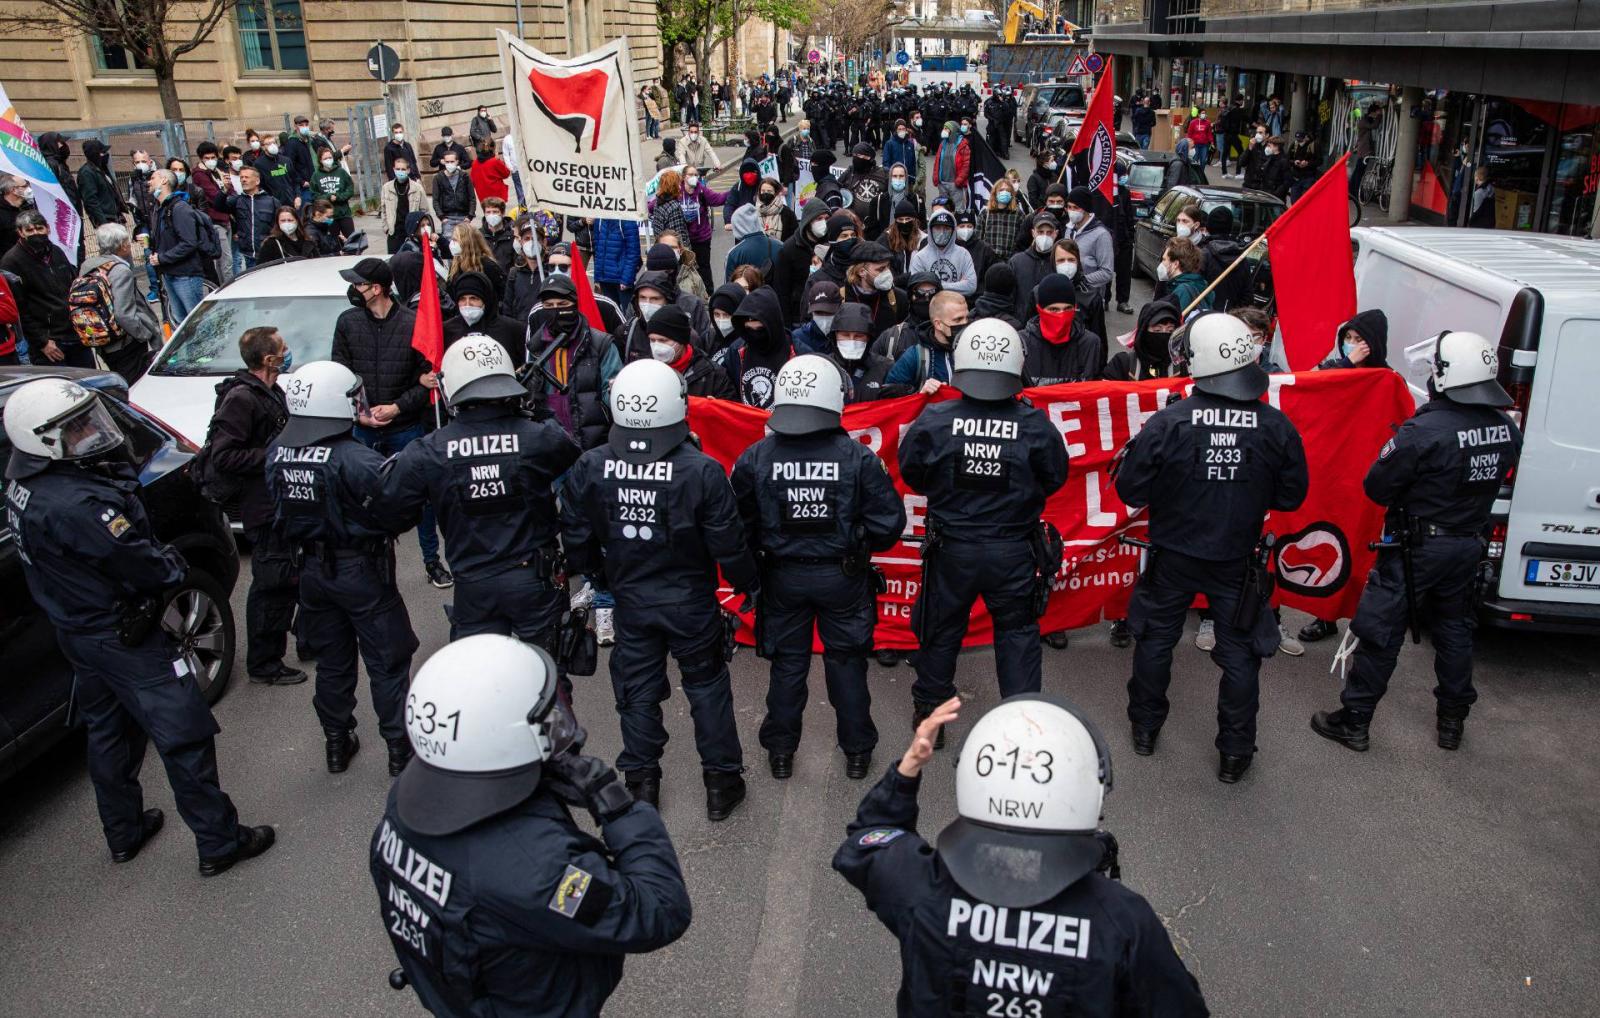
1313	274
1098	137
586	302
427	335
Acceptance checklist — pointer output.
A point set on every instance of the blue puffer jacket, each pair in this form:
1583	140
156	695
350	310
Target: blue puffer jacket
897	151
616	251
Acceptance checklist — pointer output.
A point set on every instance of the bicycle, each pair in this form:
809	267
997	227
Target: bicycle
1375	179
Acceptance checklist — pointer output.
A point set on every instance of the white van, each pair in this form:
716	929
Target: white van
1540	295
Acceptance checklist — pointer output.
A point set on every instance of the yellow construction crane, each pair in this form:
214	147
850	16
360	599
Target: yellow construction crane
1014	13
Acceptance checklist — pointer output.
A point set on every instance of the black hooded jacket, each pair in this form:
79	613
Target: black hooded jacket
248	416
508	332
1373	325
753	367
1028	267
1149	357
997	296
54	149
794	264
96	185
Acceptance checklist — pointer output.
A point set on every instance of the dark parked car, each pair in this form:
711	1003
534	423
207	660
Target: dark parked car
35	681
1150	175
1253	212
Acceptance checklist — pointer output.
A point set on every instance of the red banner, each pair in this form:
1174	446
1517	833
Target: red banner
1344	417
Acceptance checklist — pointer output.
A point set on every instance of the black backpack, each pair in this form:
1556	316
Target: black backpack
205	237
217	486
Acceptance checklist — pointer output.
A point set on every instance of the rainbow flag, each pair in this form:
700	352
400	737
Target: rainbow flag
20	157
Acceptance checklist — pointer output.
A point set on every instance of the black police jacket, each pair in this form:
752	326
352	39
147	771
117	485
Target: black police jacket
986	466
1446	464
524	914
490	475
822	495
248	415
1096	950
657	530
1209	469
324	493
85	541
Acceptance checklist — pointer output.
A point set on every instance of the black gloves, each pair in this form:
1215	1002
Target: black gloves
588	782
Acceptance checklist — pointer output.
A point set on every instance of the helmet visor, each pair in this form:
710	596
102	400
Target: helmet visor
86	432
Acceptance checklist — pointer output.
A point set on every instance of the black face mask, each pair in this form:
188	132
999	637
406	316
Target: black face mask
919	306
39	244
861	165
760	339
905	229
354	297
767	196
563	320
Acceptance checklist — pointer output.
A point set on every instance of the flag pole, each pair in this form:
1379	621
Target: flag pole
1222	275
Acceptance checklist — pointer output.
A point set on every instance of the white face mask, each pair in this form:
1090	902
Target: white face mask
819	251
470	315
819	227
290	227
491	220
1068	269
327	164
823	323
272	149
455	248
1075	216
1163	273
1044	242
647	311
944	134
211	164
530	249
724	325
255	144
399	136
963	233
1185	230
852	349
1051	166
691	182
451	167
236	164
666	353
884	280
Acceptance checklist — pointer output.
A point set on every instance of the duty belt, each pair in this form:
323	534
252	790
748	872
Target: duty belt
328	550
1434	530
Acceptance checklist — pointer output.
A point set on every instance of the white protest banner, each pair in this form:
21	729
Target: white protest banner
768	167
20	157
576	128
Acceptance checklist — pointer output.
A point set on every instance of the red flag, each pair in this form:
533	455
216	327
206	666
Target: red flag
427	335
586	302
1098	137
1313	274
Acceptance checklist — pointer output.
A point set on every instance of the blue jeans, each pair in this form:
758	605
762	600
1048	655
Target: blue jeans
183	293
652	126
1202	154
1143	140
388	443
242	260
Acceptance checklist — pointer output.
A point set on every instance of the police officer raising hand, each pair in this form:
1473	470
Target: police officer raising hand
323	483
816	504
1209	468
656	517
95	566
1438	477
489	473
1040	933
987	462
494	900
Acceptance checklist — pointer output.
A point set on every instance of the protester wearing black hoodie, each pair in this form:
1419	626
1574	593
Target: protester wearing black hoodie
896	340
97	186
1363	342
982	254
1031	265
997	298
479	314
743	191
670	340
753	359
1056	347
1150	356
794	261
55	151
850	347
724	303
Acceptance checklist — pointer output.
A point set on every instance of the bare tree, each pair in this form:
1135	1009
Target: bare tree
142	27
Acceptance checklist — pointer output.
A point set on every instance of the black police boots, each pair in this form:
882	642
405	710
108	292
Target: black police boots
252	842
782	765
1341	726
1232	768
919	714
341	747
1451	725
724	793
399	756
1144	740
856	765
150	824
644	786
1057	640
1318	629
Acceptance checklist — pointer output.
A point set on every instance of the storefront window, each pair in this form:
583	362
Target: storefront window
1514	141
1577	172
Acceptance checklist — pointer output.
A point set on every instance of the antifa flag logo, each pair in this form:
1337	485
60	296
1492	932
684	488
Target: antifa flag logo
1315	561
573	102
1101	156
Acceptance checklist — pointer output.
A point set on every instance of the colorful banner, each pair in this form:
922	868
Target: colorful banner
576	128
1344	417
20	157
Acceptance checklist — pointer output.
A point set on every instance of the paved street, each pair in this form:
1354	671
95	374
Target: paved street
1403	881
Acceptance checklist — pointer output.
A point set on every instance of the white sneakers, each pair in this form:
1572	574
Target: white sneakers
1206	638
1288	643
604	632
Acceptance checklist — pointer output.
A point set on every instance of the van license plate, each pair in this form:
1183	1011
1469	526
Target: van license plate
1543	573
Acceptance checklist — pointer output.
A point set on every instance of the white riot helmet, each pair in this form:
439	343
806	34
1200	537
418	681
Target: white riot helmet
1030	781
476	367
482	714
649	411
1223	357
987	362
1465	369
809	396
324	399
58	419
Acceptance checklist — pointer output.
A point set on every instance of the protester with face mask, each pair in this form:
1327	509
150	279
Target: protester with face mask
952	165
869	280
1180	267
1057	347
982	254
482	127
1151	354
42	277
449	146
793	265
868	185
1001	220
671	341
396	148
926	366
1036	261
288	239
1046	171
454	200
97	186
822	305
616	256
850	347
942	256
400	196
1091	307
897	339
574	363
998	296
724	304
760	349
477	312
904	236
900	149
696	151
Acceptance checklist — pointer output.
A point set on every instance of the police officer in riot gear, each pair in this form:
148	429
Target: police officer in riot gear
323	483
987	462
494	900
489	473
816	504
1209	468
656	517
1011	913
1439	476
94	566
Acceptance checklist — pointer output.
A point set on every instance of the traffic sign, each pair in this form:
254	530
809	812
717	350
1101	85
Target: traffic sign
383	63
1096	63
814	57
877	54
1078	65
902	58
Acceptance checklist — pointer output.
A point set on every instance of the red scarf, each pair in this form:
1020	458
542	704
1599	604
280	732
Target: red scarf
682	363
1056	326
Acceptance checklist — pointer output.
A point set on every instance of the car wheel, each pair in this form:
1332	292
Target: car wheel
199	617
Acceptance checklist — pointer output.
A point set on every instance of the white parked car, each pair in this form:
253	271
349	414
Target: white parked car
302	299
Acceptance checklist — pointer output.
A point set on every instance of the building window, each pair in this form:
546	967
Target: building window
272	35
114	59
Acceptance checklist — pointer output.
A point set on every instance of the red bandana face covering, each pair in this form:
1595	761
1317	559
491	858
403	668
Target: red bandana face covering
1056	326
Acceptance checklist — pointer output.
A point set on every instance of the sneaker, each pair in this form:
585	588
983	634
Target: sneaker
439	576
1121	635
1287	643
1206	638
583	597
605	633
1318	629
